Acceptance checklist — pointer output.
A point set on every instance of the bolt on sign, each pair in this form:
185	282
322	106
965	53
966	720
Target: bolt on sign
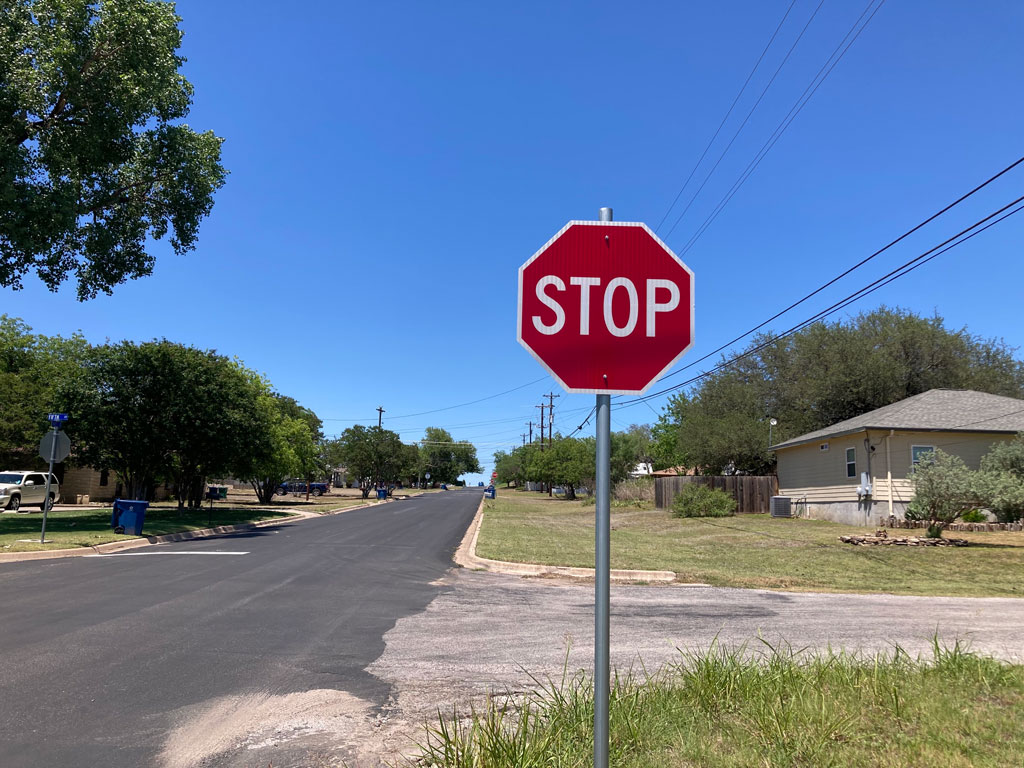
606	307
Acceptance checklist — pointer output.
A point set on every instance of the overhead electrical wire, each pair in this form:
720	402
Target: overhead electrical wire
794	111
904	269
732	106
856	266
746	119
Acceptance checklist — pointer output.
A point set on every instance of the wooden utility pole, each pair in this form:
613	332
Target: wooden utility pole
530	425
551	415
542	407
380	417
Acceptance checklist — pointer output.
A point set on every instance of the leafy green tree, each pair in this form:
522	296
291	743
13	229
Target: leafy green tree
31	368
572	463
446	458
375	456
163	411
210	418
120	418
94	159
826	373
944	489
284	444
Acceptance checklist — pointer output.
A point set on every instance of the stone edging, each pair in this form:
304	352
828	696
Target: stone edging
145	541
466	557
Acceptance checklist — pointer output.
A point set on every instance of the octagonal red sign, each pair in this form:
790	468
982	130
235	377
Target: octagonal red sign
606	307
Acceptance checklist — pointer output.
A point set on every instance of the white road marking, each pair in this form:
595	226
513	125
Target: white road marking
187	552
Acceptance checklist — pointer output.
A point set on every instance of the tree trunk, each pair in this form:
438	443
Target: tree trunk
570	492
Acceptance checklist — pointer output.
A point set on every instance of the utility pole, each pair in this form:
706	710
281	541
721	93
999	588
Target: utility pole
551	415
380	416
542	407
524	439
530	425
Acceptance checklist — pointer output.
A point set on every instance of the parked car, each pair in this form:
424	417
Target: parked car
20	488
299	486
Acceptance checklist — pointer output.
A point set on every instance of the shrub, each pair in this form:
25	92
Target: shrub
944	489
702	501
974	516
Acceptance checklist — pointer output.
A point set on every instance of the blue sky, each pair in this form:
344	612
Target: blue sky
393	163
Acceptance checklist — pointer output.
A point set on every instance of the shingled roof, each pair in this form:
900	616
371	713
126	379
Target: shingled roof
937	410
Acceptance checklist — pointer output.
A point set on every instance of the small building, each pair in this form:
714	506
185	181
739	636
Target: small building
858	471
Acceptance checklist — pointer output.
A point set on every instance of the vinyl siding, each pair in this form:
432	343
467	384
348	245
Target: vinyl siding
806	471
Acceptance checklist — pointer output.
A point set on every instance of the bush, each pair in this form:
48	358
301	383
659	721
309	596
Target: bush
944	489
974	516
703	501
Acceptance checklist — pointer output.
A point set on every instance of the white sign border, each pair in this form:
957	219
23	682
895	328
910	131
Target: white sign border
555	376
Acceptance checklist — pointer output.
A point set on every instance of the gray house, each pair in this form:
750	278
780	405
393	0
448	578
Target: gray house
858	471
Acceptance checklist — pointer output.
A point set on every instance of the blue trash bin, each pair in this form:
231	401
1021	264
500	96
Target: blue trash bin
490	492
128	516
382	494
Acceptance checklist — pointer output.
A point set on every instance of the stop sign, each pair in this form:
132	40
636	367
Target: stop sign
606	307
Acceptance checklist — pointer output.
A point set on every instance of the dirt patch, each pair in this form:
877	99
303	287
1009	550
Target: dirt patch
260	729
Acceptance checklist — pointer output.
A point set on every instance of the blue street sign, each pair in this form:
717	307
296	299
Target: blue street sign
57	418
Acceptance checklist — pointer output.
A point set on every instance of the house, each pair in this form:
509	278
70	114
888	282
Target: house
859	470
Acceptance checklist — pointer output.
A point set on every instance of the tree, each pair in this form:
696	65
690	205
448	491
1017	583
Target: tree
826	373
572	463
94	161
375	456
285	444
31	368
944	489
164	411
445	458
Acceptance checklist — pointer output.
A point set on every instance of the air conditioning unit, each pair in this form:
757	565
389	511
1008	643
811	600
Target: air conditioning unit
781	507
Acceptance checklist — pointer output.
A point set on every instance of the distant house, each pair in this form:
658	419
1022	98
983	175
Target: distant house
859	470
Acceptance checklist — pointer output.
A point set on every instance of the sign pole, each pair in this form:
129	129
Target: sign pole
49	479
602	565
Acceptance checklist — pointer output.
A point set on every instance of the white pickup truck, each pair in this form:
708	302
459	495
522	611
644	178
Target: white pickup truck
20	488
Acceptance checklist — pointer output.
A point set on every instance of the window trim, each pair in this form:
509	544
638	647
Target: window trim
851	463
913	462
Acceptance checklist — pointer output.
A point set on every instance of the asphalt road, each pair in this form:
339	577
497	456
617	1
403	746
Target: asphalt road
330	642
163	655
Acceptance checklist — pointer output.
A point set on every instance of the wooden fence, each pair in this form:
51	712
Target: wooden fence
752	493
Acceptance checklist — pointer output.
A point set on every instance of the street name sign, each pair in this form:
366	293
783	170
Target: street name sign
57	418
606	307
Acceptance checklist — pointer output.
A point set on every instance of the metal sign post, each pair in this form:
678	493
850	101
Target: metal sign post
56	419
602	570
607	308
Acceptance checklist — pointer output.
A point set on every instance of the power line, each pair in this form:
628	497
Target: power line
727	114
798	106
895	274
856	266
746	119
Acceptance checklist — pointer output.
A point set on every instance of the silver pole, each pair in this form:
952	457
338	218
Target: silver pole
49	477
602	565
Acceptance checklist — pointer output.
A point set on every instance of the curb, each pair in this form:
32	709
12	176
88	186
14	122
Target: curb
145	541
466	557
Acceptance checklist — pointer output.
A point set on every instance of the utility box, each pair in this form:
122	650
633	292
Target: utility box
129	516
781	506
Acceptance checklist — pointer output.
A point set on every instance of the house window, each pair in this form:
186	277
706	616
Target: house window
104	477
823	447
851	462
919	453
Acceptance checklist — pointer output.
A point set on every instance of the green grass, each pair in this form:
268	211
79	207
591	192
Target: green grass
727	709
748	550
67	529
